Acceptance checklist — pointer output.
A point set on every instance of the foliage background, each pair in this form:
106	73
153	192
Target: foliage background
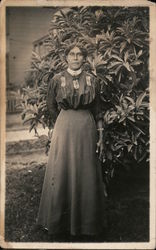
118	52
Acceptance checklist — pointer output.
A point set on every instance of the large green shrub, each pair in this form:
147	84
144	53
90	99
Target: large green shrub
117	43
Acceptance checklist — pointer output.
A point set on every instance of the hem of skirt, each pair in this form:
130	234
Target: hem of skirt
75	233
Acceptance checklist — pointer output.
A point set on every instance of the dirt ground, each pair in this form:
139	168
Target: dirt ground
128	200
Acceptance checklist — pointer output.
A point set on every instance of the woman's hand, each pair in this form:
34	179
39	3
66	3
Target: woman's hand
100	150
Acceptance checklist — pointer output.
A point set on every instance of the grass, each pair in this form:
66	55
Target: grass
128	204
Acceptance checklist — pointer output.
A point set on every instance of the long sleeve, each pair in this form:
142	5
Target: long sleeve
52	106
97	108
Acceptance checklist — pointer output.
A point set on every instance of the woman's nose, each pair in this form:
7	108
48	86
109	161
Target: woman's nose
75	56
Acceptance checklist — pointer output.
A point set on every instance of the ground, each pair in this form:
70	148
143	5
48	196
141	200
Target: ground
128	204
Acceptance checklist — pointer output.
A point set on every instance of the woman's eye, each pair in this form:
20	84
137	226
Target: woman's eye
71	54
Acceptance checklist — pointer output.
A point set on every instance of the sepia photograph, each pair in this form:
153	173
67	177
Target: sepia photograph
77	157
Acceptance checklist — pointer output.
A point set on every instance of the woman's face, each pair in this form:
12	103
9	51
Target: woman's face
75	58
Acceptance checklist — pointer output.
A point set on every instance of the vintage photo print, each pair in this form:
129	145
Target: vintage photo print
77	124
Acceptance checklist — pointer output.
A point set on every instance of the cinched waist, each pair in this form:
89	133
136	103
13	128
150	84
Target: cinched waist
75	110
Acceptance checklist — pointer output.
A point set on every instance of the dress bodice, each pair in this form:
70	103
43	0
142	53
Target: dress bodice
73	92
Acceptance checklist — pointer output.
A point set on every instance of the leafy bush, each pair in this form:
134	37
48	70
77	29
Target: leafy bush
117	43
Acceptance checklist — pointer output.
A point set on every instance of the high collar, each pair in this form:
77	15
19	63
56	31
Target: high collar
74	72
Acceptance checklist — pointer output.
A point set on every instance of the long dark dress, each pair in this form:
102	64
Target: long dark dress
72	195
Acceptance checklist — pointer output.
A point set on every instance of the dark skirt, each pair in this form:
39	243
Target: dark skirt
72	195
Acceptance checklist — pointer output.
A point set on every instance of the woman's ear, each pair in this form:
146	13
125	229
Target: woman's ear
85	59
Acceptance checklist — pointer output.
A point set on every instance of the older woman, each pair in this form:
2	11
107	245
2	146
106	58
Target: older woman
72	196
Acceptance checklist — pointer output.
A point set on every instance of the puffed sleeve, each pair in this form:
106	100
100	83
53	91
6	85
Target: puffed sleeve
97	107
52	106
